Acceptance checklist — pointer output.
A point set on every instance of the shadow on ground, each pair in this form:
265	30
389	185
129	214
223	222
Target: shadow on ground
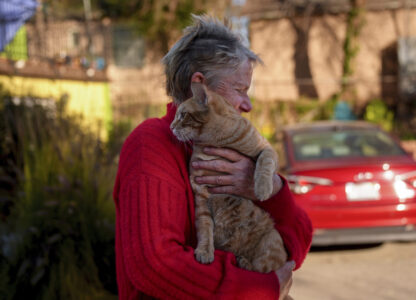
344	247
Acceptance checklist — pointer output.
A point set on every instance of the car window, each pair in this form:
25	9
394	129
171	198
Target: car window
345	143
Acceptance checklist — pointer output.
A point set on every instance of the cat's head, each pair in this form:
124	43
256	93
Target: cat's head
202	115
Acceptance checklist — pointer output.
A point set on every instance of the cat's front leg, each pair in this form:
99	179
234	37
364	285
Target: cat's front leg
204	252
266	166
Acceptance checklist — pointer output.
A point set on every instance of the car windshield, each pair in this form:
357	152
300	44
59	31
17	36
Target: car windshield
346	143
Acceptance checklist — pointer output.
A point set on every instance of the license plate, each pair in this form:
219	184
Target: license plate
362	191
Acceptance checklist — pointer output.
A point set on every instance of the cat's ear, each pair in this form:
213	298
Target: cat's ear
199	93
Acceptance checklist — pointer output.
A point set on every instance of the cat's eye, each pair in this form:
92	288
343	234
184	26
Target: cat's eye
183	115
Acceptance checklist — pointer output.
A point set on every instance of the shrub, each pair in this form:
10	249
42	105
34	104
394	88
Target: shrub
57	235
376	111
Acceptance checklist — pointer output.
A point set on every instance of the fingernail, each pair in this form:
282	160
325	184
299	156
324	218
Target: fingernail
292	264
207	149
194	164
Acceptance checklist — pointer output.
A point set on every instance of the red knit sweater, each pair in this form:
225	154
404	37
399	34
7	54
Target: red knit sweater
155	233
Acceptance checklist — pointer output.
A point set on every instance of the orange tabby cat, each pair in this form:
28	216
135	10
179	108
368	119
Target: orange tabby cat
240	226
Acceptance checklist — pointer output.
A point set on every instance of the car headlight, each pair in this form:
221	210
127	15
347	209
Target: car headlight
303	184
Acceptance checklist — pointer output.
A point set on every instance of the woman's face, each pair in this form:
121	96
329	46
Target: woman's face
234	87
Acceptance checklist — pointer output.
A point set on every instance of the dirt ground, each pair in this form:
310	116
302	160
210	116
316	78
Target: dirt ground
386	271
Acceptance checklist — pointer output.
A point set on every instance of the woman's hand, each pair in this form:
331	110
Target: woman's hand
238	170
285	279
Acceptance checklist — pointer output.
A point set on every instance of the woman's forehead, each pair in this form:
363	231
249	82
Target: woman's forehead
241	76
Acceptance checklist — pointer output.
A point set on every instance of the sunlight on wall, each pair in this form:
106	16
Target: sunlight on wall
91	99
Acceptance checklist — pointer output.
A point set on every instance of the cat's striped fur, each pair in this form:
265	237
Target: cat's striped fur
229	222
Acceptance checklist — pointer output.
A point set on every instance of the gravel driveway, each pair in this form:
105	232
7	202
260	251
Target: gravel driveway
386	271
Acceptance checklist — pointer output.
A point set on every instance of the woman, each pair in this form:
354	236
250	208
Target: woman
155	236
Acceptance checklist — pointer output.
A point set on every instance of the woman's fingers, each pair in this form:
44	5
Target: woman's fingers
215	180
213	165
235	173
223	189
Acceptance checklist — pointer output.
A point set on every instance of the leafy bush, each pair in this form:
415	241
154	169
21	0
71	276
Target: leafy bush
57	235
376	111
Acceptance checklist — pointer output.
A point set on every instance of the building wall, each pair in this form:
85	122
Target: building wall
132	87
91	99
59	38
382	30
275	41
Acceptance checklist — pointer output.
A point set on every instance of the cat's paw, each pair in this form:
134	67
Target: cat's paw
244	263
263	188
204	255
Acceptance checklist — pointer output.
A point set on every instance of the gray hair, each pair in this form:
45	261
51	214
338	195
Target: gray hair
207	46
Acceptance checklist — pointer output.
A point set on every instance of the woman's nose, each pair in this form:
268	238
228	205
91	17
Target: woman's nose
246	105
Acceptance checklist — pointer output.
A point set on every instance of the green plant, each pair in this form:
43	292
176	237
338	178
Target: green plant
158	21
58	240
355	23
376	111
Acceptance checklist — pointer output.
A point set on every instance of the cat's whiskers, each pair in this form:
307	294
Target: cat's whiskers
181	135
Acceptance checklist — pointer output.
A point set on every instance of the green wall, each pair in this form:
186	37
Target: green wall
17	48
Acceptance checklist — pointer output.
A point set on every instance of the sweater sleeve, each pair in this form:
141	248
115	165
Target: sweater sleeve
154	251
292	222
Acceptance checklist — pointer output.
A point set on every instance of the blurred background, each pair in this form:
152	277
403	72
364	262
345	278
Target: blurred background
77	76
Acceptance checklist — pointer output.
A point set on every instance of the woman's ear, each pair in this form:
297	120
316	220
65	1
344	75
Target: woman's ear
198	77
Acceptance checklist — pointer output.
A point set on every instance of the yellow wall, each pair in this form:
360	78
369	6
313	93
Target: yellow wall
92	99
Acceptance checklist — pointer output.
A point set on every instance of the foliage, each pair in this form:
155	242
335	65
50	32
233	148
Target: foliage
327	109
269	117
355	23
57	240
376	111
354	26
7	170
158	21
404	133
63	8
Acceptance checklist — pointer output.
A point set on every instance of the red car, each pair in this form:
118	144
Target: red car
354	180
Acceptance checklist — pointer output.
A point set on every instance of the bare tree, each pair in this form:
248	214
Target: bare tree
300	17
